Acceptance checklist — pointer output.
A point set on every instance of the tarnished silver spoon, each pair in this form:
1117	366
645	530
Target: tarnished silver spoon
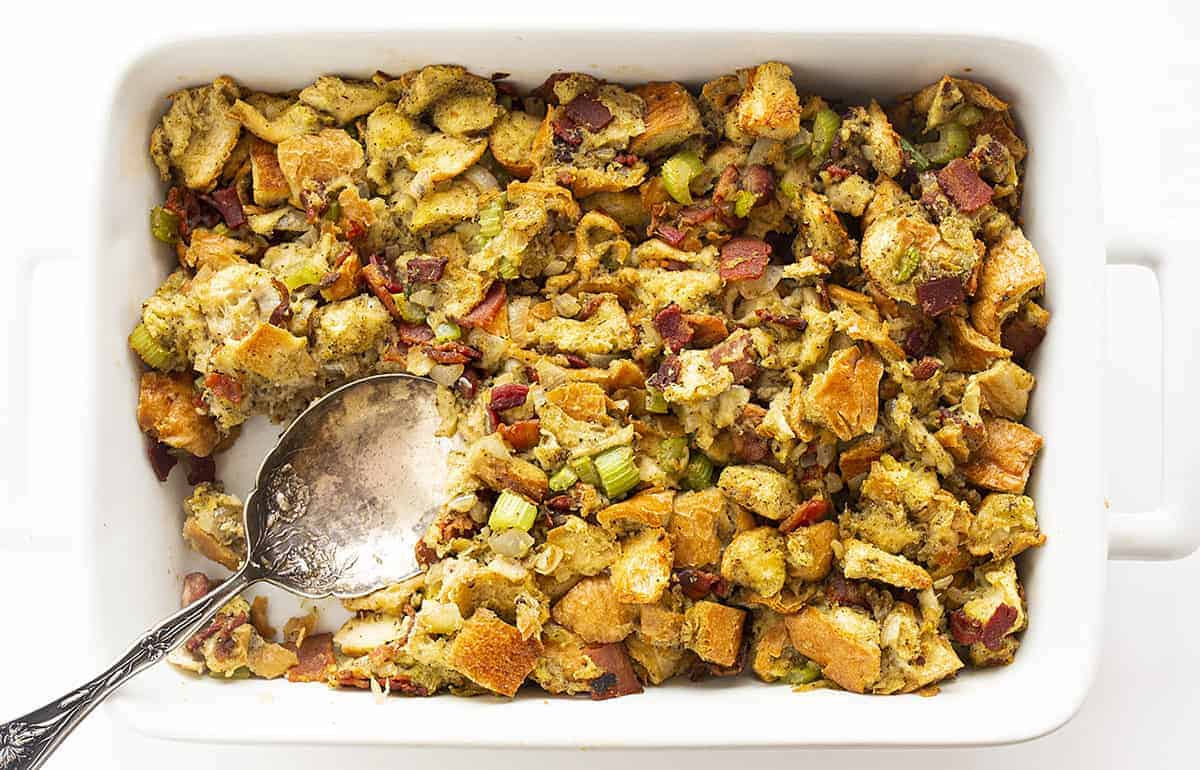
337	509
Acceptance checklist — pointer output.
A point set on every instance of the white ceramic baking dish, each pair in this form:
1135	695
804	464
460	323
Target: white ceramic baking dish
137	556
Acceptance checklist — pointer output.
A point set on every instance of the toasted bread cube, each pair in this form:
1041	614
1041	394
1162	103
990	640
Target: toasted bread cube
563	667
315	162
693	527
1004	526
275	354
197	135
619	677
672	118
585	401
493	654
586	548
865	561
491	462
167	411
643	570
363	633
345	100
769	106
1003	462
511	140
714	632
656	664
846	395
606	331
651	508
269	660
269	186
1004	388
213	526
913	656
843	641
442	209
810	550
983	657
1012	272
592	610
755	559
762	489
660	625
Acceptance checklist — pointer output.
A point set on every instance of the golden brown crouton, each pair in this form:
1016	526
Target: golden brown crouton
844	641
213	526
823	237
563	667
1004	389
346	100
755	559
312	163
1002	463
865	561
1004	526
491	462
693	527
269	660
168	410
493	654
672	117
762	489
274	120
714	632
586	549
810	551
660	625
511	142
643	570
591	609
581	400
1012	272
656	664
845	397
270	188
966	350
769	106
213	250
275	354
651	508
197	136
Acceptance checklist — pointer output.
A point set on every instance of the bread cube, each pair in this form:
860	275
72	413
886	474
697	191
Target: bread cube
809	550
714	632
845	397
276	355
656	664
755	559
762	489
491	462
213	526
592	610
672	118
563	667
693	527
1004	526
363	633
651	508
586	549
493	654
269	186
1003	462
769	106
511	141
643	570
864	561
843	641
167	411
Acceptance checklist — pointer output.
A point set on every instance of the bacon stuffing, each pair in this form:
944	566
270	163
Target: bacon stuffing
806	513
939	295
453	353
672	235
201	470
1022	338
743	259
673	327
414	334
758	179
227	202
316	657
916	342
618	678
508	396
839	590
737	355
748	445
221	625
962	184
487	309
283	311
588	111
379	284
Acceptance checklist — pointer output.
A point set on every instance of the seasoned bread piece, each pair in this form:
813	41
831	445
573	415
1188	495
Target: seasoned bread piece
755	559
168	410
864	561
643	570
768	106
1004	526
197	135
762	489
672	118
269	186
844	641
651	508
1012	272
493	654
1003	462
563	666
714	632
490	460
845	396
511	142
213	526
810	551
592	610
693	527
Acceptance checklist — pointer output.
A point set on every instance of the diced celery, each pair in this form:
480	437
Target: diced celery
512	511
798	151
678	171
447	331
953	142
968	115
585	469
563	480
618	474
907	264
509	270
656	402
164	225
154	354
304	275
490	218
334	212
790	190
807	674
825	128
673	454
699	472
743	201
916	158
410	311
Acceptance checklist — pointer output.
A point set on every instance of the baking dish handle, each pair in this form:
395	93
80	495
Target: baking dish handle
1172	530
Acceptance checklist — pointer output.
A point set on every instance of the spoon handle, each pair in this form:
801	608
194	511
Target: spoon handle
26	742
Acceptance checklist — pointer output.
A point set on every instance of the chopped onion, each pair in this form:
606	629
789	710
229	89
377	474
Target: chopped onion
547	559
511	542
463	503
481	178
446	374
759	286
509	568
566	306
421	183
492	347
555	267
761	149
550	374
423	297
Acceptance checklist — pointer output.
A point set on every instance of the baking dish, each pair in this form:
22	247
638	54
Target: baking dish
137	556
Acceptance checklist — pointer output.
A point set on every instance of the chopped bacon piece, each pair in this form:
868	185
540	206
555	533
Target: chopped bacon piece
424	553
228	388
283	311
672	235
697	584
566	131
939	295
962	184
508	396
737	355
790	321
806	513
748	445
588	111
201	470
396	684
379	285
696	215
316	657
626	158
758	179
743	259
522	434
425	270
468	384
196	585
575	362
561	503
708	329
414	334
387	269
161	459
487	309
673	328
453	353
727	185
589	308
837	173
916	342
226	201
674	265
965	630
839	590
220	625
926	368
667	374
192	210
998	624
618	678
1021	337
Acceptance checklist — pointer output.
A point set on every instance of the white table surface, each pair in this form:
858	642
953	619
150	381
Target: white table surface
58	61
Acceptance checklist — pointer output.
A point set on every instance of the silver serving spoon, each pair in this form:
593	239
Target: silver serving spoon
337	509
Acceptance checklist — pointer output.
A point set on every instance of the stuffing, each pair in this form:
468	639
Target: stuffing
1004	389
213	527
592	610
607	330
584	549
316	163
1012	272
672	118
268	184
643	570
693	527
494	465
763	490
346	100
864	561
651	508
197	135
755	559
809	551
714	632
511	142
564	666
845	397
167	411
274	120
1003	462
768	106
493	654
1004	526
843	641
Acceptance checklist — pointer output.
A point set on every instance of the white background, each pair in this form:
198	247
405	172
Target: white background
59	61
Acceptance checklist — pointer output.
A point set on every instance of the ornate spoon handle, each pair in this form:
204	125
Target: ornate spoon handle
26	742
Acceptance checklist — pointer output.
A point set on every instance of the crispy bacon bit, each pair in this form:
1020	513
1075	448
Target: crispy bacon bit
673	327
758	179
674	265
916	342
522	434
618	678
727	185
193	212
387	269
744	259
1022	338
226	201
588	111
626	158
790	321
425	554
467	385
672	235
806	513
161	459
696	215
926	368
998	624
221	625
575	362
939	295
566	131
316	656
425	270
748	445
487	309
283	310
452	353
201	470
508	396
414	334
667	374
196	585
589	308
396	684
737	355
965	630
708	329
839	590
962	184
697	584
837	173
378	283
561	503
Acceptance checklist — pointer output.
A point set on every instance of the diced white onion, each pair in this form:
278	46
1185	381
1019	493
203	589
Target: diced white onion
511	542
423	297
446	374
481	178
759	286
421	183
